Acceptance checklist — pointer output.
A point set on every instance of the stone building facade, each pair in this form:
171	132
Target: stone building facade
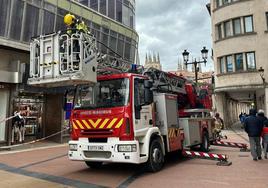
240	38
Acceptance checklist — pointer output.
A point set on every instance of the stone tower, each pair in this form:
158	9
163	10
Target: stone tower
152	61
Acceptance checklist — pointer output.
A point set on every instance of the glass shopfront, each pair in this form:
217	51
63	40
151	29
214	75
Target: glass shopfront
30	108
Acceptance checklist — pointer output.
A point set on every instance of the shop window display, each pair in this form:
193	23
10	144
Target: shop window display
31	111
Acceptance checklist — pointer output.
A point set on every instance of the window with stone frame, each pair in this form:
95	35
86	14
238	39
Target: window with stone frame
227	28
218	3
229	63
237	26
248	24
222	62
219	31
224	2
251	61
239	62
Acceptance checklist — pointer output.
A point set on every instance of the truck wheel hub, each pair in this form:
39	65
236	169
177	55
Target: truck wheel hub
157	157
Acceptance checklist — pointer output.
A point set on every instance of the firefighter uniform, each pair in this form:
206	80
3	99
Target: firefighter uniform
74	24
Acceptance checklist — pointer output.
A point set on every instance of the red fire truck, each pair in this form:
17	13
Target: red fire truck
127	114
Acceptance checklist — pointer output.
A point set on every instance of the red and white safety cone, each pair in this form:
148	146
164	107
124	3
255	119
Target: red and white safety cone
222	158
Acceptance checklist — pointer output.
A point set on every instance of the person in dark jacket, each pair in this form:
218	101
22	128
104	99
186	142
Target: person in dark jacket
253	126
261	116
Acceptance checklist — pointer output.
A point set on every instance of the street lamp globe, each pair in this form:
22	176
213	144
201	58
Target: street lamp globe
204	53
185	55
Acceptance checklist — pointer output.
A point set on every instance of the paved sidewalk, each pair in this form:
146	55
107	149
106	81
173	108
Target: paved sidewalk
22	181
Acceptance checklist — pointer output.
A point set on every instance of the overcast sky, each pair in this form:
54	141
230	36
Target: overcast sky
170	26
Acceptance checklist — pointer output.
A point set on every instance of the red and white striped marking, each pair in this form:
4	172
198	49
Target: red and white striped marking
230	144
204	155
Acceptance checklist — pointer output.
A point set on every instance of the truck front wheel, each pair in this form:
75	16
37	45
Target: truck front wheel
156	156
93	164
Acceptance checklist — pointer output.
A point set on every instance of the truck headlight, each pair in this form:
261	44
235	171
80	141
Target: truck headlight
73	147
127	148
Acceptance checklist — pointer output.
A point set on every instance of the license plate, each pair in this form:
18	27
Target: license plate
95	148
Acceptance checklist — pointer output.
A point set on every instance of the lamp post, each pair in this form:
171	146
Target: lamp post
185	55
261	71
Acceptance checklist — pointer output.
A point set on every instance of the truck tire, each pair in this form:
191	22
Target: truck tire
156	156
205	142
93	165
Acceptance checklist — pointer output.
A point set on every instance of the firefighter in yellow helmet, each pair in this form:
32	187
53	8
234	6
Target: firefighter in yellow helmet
74	24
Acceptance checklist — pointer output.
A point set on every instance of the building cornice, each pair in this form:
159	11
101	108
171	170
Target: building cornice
236	36
237	72
229	4
238	87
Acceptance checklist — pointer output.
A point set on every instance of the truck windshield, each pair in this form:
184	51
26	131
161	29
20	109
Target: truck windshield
105	94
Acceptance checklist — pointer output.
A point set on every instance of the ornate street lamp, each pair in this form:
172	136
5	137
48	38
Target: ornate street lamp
204	53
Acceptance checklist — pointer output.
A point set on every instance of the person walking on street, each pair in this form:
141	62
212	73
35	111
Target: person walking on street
265	138
240	117
18	129
261	116
253	126
242	120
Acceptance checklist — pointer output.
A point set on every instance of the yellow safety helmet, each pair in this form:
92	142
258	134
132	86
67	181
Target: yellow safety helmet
69	19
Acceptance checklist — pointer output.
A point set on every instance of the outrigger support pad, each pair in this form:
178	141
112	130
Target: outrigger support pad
244	149
224	163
